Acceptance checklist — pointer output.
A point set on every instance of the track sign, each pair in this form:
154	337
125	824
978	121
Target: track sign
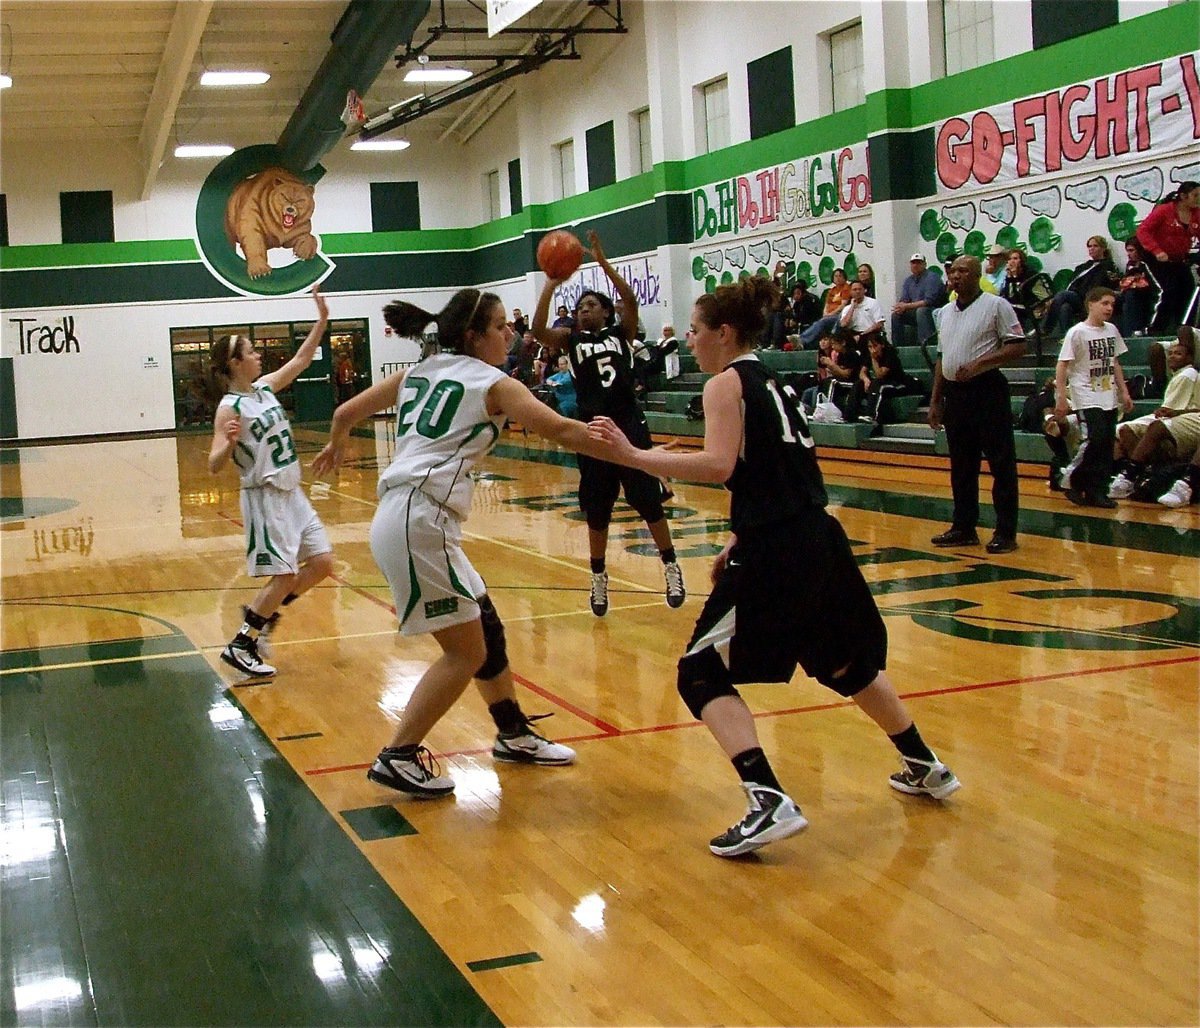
502	13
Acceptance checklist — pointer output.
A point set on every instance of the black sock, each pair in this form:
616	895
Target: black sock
597	565
508	717
910	744
255	621
290	598
668	555
403	752
752	766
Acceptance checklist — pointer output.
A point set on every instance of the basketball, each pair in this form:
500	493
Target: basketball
559	254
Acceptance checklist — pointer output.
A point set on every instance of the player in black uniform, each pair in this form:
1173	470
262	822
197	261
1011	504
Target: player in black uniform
786	568
601	356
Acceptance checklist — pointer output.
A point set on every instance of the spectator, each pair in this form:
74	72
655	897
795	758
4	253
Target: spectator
994	270
344	377
979	334
1135	302
1089	380
922	293
837	296
526	358
1167	236
1028	292
1037	415
881	377
823	375
562	385
866	275
519	324
862	316
806	308
640	332
563	318
778	320
843	364
1067	307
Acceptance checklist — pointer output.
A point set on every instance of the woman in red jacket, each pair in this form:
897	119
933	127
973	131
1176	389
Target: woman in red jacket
1166	235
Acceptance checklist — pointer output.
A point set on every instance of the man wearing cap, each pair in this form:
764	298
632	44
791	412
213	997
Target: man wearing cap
978	334
922	293
996	268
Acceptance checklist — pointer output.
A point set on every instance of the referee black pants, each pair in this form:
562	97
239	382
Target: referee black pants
978	420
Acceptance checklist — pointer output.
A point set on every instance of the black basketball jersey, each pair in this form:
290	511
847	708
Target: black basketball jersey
776	475
602	363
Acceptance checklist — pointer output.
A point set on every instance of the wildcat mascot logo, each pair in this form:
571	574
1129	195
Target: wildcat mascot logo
251	204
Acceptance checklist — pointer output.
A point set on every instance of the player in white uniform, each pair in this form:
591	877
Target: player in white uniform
451	408
285	539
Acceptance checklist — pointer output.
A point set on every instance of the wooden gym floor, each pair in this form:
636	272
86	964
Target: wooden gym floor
181	848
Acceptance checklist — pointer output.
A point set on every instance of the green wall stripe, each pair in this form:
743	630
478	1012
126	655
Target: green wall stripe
76	254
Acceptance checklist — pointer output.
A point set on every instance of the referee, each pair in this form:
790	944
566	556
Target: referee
978	334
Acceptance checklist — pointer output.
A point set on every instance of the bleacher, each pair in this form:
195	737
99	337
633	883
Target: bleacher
908	431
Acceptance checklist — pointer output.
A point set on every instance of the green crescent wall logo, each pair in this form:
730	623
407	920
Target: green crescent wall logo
254	200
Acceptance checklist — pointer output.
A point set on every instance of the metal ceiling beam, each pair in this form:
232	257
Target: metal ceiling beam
183	39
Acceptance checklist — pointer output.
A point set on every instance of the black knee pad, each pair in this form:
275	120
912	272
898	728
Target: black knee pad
493	638
702	678
598	520
857	676
651	512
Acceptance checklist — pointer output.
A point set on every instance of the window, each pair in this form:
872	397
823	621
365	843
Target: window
969	37
395	207
600	143
772	93
715	101
86	217
491	187
846	65
643	159
564	169
1069	19
515	203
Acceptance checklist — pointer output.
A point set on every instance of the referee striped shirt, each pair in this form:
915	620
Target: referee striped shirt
968	333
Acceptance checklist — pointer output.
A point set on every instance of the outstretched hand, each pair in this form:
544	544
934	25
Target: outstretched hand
605	431
322	308
594	249
329	459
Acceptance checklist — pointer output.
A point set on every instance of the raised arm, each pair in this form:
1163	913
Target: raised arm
283	377
551	338
379	397
629	315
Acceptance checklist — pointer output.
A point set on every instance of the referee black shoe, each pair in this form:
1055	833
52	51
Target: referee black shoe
956	537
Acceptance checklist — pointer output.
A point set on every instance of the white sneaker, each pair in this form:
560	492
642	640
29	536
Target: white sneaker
417	775
1179	495
676	594
772	815
531	748
922	778
1121	487
242	654
599	597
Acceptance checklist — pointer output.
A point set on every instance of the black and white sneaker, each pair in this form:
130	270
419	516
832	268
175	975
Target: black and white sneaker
599	594
417	773
772	816
264	633
527	747
242	653
676	593
924	778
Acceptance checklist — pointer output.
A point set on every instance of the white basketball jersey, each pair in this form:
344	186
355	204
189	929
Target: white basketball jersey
443	428
265	452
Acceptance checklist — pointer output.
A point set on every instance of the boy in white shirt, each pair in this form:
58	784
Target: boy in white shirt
1089	381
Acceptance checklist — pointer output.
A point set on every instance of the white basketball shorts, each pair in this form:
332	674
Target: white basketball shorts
282	530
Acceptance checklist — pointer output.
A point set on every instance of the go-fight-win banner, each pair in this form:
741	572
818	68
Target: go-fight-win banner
1152	108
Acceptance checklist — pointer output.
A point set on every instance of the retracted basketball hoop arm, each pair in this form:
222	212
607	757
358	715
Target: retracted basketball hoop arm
549	44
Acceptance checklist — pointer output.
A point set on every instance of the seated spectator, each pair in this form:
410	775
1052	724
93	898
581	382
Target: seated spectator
866	275
562	318
862	316
1166	441
806	308
618	309
836	298
1186	486
822	375
880	378
843	363
1167	235
562	384
994	270
523	369
1067	308
1029	292
519	324
779	317
1135	304
1062	433
1182	397
922	293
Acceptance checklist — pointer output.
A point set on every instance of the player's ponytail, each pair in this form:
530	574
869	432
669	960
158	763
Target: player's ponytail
468	310
741	305
220	365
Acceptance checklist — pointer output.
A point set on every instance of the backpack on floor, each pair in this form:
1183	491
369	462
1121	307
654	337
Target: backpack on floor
695	409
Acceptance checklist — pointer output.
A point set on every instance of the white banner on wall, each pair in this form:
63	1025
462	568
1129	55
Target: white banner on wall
1155	107
502	13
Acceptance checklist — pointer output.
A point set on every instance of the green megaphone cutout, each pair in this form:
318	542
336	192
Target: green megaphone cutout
217	250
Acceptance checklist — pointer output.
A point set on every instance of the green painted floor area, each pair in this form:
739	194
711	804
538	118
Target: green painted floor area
165	866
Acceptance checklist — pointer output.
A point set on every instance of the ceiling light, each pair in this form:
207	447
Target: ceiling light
209	150
380	144
437	75
5	81
233	78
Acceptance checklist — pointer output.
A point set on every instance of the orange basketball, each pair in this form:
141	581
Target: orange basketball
559	254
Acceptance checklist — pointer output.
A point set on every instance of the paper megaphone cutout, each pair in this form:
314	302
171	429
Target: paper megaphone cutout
760	251
1186	173
1091	194
736	255
714	260
785	247
1141	185
1046	202
866	236
960	215
842	240
813	243
1001	209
